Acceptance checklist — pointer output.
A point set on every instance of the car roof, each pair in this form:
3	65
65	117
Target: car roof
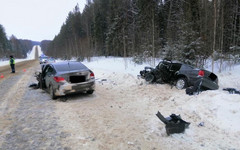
69	66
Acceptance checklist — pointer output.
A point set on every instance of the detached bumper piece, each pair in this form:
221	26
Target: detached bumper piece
174	123
232	90
201	85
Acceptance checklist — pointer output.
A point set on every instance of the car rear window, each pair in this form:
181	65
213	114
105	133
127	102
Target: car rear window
77	66
61	67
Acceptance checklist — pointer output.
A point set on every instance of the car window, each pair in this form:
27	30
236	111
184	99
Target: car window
77	66
175	67
186	67
163	66
50	70
62	67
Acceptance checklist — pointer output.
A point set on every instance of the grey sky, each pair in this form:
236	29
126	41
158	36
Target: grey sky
35	19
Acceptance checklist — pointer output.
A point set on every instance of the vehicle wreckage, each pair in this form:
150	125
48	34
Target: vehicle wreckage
173	123
62	78
181	75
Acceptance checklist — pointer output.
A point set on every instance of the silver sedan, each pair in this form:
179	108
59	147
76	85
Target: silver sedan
63	78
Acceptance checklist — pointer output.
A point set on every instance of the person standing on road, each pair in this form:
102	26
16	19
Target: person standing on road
12	64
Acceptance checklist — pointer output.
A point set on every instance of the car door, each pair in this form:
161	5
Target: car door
191	73
49	75
174	70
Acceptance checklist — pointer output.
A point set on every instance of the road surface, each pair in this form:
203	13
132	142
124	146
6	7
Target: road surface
119	115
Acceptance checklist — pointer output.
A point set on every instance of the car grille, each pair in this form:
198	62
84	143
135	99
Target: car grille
77	79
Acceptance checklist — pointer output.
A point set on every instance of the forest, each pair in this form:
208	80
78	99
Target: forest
190	31
14	46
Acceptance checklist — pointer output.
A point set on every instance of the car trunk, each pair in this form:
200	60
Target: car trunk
211	76
76	77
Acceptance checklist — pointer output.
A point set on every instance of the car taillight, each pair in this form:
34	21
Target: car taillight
201	73
92	75
58	79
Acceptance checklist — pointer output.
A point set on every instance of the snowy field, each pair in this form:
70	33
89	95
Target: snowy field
218	111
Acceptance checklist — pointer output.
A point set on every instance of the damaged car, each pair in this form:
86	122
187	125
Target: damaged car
64	78
181	75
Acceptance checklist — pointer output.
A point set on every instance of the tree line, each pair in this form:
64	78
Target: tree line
187	30
14	46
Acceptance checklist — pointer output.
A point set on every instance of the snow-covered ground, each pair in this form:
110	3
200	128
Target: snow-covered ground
225	107
217	110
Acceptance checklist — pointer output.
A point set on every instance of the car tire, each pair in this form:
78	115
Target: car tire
181	83
90	92
51	92
149	77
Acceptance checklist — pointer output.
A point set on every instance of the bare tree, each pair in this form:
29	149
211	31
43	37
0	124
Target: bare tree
214	33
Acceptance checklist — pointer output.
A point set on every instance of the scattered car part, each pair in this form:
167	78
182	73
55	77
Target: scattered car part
232	90
196	89
34	86
173	123
201	124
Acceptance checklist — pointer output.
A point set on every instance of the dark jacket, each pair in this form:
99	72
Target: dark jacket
11	61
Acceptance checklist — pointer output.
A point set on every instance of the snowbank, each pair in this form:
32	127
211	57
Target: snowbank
218	107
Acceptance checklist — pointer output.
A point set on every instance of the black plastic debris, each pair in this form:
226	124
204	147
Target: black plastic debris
232	90
201	124
174	123
196	89
34	86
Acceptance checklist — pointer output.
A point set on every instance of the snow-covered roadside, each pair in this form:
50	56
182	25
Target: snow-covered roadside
218	110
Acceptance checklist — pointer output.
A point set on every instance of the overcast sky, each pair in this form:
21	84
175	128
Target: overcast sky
35	20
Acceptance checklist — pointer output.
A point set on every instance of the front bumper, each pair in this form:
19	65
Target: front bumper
68	88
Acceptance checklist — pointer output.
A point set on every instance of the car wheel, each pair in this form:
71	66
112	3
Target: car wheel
181	83
90	91
149	77
51	92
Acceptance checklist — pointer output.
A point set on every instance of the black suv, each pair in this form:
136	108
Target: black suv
181	75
